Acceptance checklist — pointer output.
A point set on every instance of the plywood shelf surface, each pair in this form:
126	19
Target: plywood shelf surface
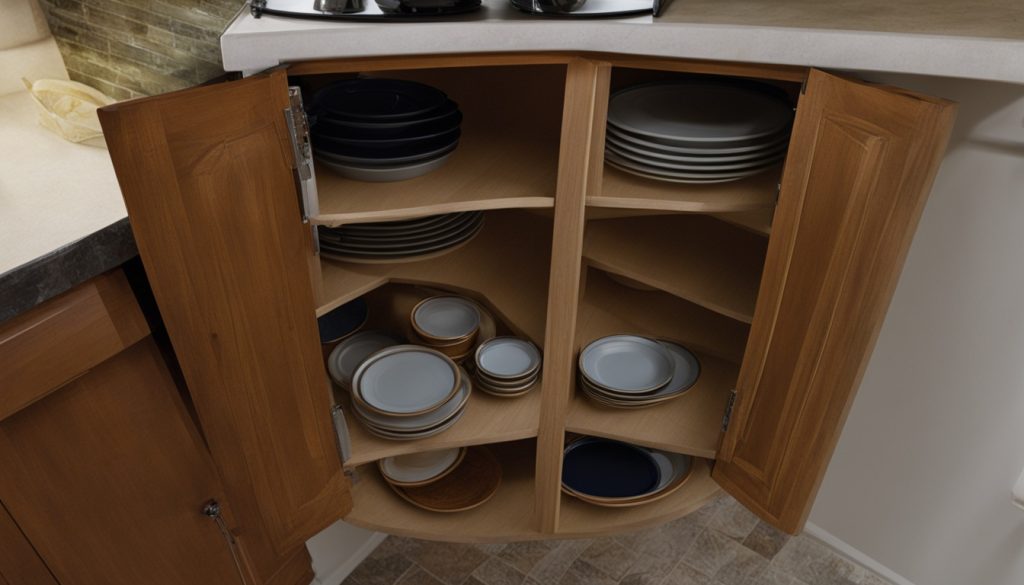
508	516
579	519
487	419
696	258
507	263
758	221
690	424
626	191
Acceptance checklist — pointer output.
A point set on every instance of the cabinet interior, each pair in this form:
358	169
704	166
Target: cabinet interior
680	262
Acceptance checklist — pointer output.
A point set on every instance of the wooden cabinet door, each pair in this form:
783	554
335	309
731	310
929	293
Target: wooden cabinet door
207	177
860	166
107	477
19	563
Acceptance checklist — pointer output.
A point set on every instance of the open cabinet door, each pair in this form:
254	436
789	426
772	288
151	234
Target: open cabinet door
859	171
207	176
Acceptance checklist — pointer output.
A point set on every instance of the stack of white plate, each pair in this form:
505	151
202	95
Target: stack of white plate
448	323
507	366
697	131
614	474
399	240
347	356
419	469
630	371
408	392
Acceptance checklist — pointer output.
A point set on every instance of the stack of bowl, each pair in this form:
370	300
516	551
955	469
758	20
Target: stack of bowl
371	129
507	366
448	480
450	324
630	371
406	392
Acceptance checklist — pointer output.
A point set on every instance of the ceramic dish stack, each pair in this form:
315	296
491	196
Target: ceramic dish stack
507	366
448	323
448	480
350	353
618	475
341	322
697	131
406	392
371	129
398	241
630	371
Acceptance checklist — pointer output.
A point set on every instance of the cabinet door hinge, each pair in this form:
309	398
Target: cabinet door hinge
728	410
341	433
256	7
302	151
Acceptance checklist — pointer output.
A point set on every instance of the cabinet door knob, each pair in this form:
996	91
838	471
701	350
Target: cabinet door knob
211	509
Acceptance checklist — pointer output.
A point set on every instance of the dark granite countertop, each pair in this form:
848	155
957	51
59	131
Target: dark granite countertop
45	277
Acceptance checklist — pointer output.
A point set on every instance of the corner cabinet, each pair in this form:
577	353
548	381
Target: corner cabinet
779	282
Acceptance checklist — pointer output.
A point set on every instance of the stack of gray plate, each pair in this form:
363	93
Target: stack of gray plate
409	392
390	240
507	366
697	131
630	371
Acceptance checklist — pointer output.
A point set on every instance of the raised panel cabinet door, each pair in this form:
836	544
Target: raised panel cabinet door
106	477
207	177
19	562
861	164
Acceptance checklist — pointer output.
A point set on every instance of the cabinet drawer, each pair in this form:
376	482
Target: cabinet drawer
64	337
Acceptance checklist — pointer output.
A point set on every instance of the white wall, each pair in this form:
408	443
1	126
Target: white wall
338	549
922	475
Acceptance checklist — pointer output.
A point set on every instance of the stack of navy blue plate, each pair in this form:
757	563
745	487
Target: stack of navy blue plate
371	129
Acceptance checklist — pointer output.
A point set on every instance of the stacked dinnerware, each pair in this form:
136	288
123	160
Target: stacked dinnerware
350	353
341	322
406	392
695	131
371	129
448	323
448	480
506	366
617	475
400	240
630	371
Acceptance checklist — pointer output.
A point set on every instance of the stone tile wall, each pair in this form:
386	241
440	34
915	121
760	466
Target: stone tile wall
131	48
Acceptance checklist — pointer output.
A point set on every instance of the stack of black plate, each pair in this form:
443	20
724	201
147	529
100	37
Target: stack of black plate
383	129
400	240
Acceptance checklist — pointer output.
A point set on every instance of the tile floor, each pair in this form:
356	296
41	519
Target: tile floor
720	544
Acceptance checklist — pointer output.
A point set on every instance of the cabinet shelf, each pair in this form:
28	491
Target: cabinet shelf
508	516
507	263
622	190
758	221
582	520
696	258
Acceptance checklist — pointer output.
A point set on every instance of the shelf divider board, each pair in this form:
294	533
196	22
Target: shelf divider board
508	516
758	221
582	520
690	424
626	191
579	170
696	258
505	263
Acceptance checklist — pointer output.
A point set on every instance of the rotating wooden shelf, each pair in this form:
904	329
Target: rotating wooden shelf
696	258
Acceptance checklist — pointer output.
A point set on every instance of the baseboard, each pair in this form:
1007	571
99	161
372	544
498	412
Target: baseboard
350	564
854	554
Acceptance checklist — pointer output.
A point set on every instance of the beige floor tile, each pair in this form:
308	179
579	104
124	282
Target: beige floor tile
609	557
733	520
524	556
495	571
766	540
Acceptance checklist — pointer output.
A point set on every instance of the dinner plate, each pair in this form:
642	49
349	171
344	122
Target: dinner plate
373	144
420	468
377	157
673	166
405	253
445	318
446	112
421	422
690	174
472	483
448	117
675	469
678	147
628	364
698	111
342	321
427	244
507	358
651	153
686	371
404	228
385	174
609	469
343	240
405	380
654	177
367	99
350	353
411	436
500	383
506	387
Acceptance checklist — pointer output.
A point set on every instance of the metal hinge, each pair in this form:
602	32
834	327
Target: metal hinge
728	410
302	151
341	433
256	7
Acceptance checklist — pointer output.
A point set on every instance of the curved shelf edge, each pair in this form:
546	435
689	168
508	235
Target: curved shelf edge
579	519
338	219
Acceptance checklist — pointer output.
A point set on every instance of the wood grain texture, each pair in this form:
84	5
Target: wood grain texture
107	477
758	221
623	190
19	562
696	258
507	156
46	347
208	182
859	172
586	104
